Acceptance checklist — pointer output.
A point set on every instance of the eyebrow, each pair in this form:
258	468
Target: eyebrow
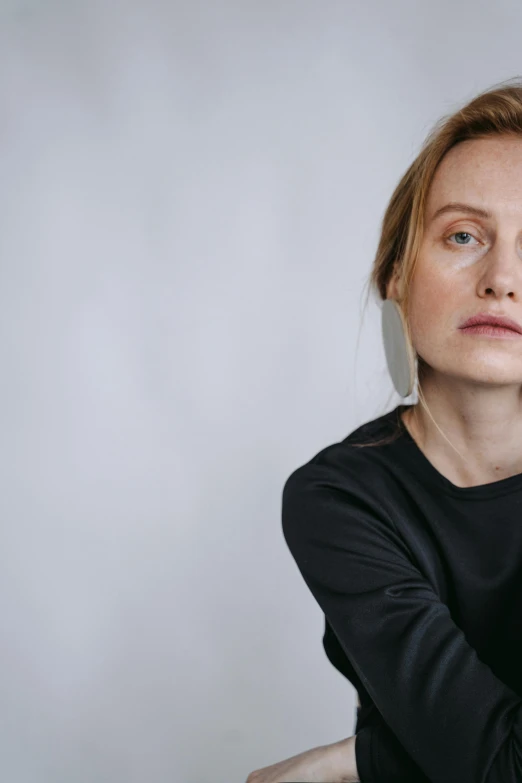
457	206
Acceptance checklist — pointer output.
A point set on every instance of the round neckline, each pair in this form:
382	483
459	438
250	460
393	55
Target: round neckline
422	466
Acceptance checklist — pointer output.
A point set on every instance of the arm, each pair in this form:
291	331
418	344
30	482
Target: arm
454	718
390	762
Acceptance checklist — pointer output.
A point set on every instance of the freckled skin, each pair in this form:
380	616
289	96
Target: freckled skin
469	264
450	279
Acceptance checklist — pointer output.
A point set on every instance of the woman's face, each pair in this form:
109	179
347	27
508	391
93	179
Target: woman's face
470	263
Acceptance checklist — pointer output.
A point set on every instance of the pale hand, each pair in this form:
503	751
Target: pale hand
333	763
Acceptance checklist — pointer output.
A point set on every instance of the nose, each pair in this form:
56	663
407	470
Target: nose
502	274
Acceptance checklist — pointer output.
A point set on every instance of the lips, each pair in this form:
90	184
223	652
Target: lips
492	320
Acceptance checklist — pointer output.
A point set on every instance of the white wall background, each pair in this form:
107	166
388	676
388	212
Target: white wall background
190	200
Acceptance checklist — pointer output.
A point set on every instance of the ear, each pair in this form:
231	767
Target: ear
392	291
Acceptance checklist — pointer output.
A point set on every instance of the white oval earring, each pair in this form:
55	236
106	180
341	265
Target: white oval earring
400	356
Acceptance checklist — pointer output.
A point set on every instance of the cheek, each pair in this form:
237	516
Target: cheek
433	309
429	315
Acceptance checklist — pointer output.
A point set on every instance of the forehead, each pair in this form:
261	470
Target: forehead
484	172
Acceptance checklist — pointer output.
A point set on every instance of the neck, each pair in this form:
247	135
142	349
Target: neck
484	433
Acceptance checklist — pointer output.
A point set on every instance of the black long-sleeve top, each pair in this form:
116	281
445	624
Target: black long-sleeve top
420	582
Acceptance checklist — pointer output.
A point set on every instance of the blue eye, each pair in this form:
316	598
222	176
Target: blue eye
461	234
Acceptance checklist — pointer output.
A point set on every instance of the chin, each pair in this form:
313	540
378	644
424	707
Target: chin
493	376
497	372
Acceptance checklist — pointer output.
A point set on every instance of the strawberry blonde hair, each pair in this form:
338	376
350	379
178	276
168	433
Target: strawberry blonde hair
495	111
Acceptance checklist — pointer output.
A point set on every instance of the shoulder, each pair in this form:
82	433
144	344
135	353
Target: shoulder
355	466
340	485
344	490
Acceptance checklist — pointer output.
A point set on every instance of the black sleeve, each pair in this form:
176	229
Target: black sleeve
381	758
455	719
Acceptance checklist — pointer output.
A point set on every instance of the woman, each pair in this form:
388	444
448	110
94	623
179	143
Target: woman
408	533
